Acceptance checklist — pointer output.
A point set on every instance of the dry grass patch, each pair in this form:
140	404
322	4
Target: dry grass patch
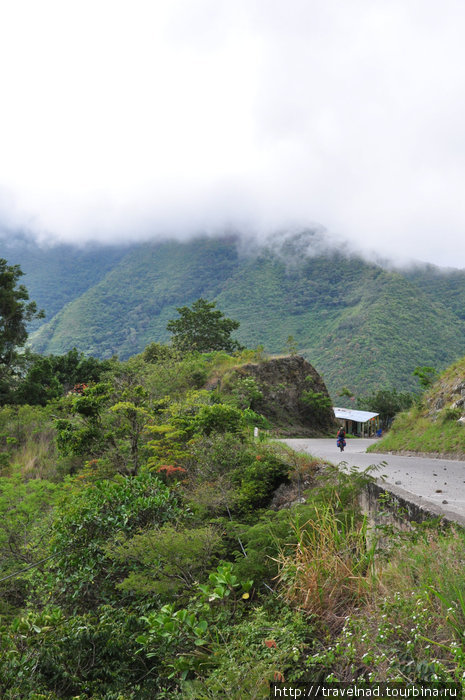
331	570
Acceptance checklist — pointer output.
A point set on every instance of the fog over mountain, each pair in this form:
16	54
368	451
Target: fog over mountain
127	121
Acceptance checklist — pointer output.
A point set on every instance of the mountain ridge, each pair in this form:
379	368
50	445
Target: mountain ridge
361	325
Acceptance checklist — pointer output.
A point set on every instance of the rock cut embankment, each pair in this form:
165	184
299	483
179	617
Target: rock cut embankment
294	397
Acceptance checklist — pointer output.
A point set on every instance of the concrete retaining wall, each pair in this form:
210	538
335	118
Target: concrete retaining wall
399	508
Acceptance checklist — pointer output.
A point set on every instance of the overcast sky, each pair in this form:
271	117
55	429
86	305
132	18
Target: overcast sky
122	119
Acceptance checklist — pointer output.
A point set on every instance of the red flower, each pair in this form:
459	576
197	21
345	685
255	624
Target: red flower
79	388
170	469
270	643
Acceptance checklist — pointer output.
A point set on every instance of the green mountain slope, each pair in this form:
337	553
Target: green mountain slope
358	324
132	304
56	275
443	286
361	325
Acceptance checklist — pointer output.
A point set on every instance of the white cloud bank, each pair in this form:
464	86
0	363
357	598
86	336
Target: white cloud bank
124	119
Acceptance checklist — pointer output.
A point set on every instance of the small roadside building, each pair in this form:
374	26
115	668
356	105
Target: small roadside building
362	423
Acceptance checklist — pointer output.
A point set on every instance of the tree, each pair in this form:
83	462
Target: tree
291	345
15	312
346	392
386	402
45	378
201	328
426	376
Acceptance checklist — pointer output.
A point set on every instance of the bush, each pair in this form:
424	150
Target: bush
450	414
386	402
219	418
167	561
81	574
275	531
318	404
258	480
25	511
253	653
49	655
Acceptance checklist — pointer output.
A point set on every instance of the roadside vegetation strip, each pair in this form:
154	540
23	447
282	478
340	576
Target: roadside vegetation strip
415	432
436	422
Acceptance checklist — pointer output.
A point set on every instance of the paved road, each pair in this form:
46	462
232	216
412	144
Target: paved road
436	484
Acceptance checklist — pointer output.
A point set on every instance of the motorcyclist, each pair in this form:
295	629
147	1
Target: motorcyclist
341	438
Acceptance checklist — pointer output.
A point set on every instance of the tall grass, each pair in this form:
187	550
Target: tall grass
435	565
417	433
36	458
411	628
331	570
27	443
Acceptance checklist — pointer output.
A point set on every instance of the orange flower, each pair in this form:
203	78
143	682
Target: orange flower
170	469
270	643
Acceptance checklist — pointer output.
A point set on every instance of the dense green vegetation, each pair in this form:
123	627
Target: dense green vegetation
125	508
439	285
360	325
151	547
131	306
58	274
387	403
15	312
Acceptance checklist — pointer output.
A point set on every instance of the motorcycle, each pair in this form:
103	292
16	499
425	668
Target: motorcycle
341	443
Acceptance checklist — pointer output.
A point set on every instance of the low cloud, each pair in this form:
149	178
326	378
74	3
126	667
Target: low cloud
125	122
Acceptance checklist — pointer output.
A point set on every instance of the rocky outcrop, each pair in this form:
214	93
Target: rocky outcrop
447	393
293	396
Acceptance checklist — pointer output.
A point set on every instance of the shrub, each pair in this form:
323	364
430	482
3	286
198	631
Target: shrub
317	403
167	560
450	414
81	574
243	390
50	655
219	418
274	532
253	653
25	510
387	402
258	480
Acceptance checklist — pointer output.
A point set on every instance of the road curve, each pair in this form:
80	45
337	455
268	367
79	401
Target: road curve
437	485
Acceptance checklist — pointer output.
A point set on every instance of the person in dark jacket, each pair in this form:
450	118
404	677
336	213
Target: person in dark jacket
341	438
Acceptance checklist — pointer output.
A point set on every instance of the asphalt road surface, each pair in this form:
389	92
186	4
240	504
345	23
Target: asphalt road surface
436	484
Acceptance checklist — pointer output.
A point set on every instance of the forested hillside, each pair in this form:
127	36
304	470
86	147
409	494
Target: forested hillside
446	286
58	274
156	542
361	325
152	547
124	505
